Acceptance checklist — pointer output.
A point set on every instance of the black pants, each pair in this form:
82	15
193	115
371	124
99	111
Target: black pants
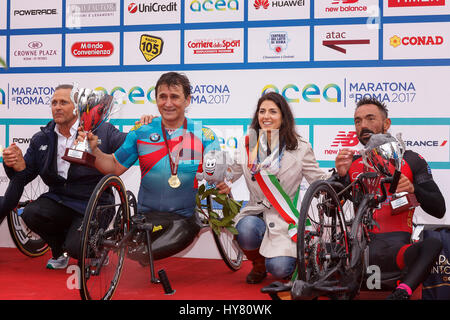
56	224
171	234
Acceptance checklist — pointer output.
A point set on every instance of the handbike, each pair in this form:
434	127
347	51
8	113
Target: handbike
29	243
111	224
331	240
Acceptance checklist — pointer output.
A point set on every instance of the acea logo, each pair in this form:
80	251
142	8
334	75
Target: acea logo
310	92
214	5
2	97
136	95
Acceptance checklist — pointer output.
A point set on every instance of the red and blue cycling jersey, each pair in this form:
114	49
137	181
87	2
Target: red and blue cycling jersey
146	144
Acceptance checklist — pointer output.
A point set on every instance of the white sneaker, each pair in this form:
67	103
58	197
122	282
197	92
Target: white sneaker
59	263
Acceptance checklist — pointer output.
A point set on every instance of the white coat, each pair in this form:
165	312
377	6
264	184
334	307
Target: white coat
294	166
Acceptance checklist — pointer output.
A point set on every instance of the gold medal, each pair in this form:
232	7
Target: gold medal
174	182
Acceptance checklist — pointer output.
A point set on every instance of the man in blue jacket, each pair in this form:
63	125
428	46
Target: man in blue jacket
56	216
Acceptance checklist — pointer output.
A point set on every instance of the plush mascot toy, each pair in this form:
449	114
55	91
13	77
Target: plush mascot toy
215	167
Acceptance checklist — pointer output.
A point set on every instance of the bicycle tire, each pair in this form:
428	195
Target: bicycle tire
227	245
323	244
104	225
28	243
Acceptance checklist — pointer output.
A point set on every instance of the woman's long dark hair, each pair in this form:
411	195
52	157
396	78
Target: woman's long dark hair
287	129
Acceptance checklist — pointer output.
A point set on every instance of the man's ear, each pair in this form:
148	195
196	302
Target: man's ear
386	124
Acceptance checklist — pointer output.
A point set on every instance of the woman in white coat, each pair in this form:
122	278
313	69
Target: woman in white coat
271	152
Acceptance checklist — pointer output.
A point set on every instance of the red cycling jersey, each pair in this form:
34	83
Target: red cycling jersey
386	220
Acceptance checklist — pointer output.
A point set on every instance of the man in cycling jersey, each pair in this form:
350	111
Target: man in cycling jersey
169	150
390	247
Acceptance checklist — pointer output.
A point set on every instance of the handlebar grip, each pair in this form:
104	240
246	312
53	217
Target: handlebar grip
395	180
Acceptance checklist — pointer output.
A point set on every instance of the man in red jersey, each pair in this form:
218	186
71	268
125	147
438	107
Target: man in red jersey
390	247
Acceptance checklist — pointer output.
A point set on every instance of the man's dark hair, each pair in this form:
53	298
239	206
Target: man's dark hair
174	79
371	100
64	86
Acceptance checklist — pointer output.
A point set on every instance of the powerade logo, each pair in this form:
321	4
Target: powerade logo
309	93
214	5
136	95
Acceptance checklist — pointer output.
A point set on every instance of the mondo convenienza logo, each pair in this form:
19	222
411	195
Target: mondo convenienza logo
396	41
415	3
91	49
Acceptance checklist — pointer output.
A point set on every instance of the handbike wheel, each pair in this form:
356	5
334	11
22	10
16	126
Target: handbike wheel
29	243
321	236
226	243
106	222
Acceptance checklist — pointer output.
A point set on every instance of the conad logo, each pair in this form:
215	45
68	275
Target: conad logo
92	49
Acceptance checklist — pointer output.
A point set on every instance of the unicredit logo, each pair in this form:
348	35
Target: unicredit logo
92	49
415	3
152	7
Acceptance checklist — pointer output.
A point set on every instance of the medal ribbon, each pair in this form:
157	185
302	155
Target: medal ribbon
174	164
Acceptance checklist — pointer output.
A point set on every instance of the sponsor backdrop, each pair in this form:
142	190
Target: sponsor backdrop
323	56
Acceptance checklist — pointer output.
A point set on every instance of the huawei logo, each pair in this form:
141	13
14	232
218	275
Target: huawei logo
261	3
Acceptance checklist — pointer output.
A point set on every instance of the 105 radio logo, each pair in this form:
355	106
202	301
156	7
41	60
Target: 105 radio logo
150	46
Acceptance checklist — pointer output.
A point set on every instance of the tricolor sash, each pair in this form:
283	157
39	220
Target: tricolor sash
271	188
278	198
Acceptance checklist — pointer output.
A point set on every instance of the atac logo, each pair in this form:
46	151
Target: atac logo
150	46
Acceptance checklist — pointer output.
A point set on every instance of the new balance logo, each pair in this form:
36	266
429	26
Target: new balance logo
345	139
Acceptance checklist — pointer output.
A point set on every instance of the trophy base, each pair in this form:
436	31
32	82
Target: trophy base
403	203
79	157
